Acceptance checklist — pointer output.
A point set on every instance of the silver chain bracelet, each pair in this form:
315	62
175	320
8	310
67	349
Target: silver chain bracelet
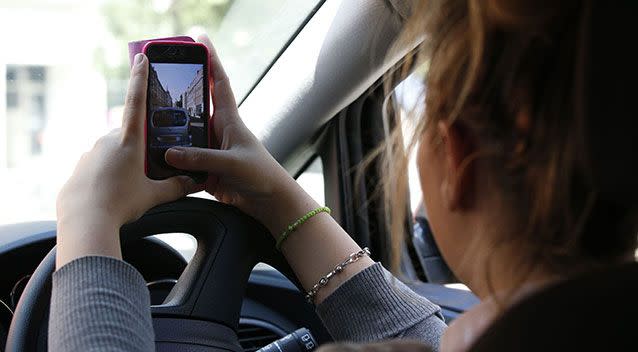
310	295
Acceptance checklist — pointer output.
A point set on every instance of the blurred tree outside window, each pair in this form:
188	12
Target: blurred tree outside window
131	20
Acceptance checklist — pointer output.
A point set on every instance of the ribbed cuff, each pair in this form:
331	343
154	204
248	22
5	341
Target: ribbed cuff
371	306
100	302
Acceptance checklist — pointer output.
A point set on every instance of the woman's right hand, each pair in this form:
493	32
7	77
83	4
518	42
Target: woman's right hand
241	172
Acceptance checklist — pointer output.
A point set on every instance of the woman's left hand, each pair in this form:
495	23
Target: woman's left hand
109	187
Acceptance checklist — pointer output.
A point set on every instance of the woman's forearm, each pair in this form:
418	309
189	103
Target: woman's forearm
317	245
99	304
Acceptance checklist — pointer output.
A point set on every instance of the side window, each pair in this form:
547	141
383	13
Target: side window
26	113
311	180
410	100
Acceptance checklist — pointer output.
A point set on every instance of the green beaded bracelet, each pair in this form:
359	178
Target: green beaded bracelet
293	227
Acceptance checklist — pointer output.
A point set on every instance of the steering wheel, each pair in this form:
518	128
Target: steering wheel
202	311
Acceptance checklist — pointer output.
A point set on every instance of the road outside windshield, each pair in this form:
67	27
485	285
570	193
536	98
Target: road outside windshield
64	72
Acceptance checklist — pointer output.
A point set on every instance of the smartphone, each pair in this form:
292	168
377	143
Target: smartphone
177	104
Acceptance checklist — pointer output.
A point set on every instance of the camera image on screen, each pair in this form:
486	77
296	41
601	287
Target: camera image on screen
176	113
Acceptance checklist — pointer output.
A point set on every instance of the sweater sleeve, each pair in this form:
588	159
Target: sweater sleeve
374	305
100	304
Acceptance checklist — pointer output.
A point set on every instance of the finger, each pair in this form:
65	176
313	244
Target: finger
172	189
214	161
106	140
220	89
135	105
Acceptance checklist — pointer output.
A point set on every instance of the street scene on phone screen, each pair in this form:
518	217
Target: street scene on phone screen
176	114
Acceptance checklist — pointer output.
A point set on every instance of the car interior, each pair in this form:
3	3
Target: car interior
328	108
320	101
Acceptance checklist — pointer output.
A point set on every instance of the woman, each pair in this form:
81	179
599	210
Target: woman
518	191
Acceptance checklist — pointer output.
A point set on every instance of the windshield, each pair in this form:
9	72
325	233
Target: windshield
65	65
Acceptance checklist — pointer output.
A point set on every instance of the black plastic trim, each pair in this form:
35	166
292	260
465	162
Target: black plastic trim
264	325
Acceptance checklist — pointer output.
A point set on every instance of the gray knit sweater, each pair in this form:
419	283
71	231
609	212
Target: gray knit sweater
102	304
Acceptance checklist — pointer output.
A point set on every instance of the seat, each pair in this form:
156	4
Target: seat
597	311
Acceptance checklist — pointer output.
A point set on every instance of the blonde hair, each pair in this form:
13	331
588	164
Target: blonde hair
491	62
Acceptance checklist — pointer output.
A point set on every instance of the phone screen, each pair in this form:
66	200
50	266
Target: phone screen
177	112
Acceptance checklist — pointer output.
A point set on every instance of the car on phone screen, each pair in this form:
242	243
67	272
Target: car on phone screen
169	128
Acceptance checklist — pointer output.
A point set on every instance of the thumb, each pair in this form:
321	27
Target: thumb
200	159
173	188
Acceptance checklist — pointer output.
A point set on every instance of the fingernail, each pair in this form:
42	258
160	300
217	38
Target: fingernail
189	181
139	57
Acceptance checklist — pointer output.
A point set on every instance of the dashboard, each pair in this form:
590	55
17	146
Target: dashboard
272	305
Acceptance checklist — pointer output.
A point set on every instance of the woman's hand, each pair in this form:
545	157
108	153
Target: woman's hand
241	171
109	187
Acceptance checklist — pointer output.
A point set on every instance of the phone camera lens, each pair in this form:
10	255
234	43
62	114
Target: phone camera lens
172	51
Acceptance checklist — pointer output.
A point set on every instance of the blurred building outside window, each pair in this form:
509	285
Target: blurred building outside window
65	79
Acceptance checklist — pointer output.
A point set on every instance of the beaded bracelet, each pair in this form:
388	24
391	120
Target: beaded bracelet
293	227
310	295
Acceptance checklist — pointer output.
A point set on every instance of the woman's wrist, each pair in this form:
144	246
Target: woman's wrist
86	235
288	203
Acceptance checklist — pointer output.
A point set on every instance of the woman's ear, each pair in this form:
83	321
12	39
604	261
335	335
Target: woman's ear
456	148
